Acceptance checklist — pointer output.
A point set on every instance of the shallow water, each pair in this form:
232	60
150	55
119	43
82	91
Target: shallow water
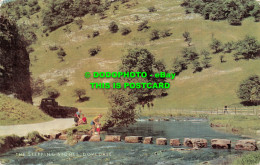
56	152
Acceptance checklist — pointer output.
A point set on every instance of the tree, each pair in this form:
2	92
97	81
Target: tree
94	51
228	47
206	59
249	90
113	27
79	92
222	58
215	45
165	33
186	35
37	86
63	81
179	64
190	54
249	47
14	61
154	35
143	25
152	9
95	33
61	54
196	66
52	92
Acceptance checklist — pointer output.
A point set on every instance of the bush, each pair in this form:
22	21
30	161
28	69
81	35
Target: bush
249	90
165	33
94	51
37	86
154	35
63	81
216	45
61	54
113	27
79	92
95	33
53	47
125	31
152	9
143	25
52	92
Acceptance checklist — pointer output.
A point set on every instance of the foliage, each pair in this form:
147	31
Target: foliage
79	92
221	57
250	158
54	17
154	35
216	45
63	81
196	66
37	86
113	27
94	51
206	59
179	64
165	33
249	47
143	25
53	47
233	11
190	54
52	92
14	61
79	22
95	33
151	9
61	54
186	35
249	89
125	31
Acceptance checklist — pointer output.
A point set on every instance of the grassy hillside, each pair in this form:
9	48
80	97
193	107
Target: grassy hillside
13	111
212	87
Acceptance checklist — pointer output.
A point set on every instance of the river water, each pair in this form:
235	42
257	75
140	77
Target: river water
56	152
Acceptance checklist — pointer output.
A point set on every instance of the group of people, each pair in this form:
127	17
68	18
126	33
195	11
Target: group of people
95	123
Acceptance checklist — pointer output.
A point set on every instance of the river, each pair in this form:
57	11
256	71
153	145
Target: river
56	152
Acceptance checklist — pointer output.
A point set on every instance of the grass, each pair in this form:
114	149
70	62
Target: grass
251	158
212	87
14	111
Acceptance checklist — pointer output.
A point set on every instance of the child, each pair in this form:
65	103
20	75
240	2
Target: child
98	128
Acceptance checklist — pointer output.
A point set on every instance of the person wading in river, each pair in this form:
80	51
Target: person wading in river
94	123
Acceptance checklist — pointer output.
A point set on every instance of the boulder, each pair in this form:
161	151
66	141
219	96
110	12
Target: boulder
148	140
133	139
151	119
77	137
175	142
63	137
84	138
112	138
246	144
166	119
221	144
161	141
95	138
195	142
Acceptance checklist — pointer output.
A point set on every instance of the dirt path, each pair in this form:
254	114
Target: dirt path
43	128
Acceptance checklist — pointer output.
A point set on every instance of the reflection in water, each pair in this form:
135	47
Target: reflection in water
56	152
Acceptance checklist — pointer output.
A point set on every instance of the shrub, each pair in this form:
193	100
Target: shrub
79	92
95	33
125	30
152	9
37	86
113	27
154	35
143	25
165	33
61	54
52	92
94	51
53	47
63	81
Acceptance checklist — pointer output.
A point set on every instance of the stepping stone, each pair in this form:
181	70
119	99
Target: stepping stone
175	142
246	144
133	139
148	140
95	138
195	142
112	138
84	138
161	141
221	143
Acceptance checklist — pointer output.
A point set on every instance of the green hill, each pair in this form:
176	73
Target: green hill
14	111
212	87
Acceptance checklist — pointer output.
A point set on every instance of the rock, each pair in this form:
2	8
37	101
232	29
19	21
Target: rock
151	119
63	137
221	144
175	142
234	130
95	138
55	136
166	119
133	139
246	144
84	138
148	140
161	141
195	142
77	137
216	125
47	136
112	138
